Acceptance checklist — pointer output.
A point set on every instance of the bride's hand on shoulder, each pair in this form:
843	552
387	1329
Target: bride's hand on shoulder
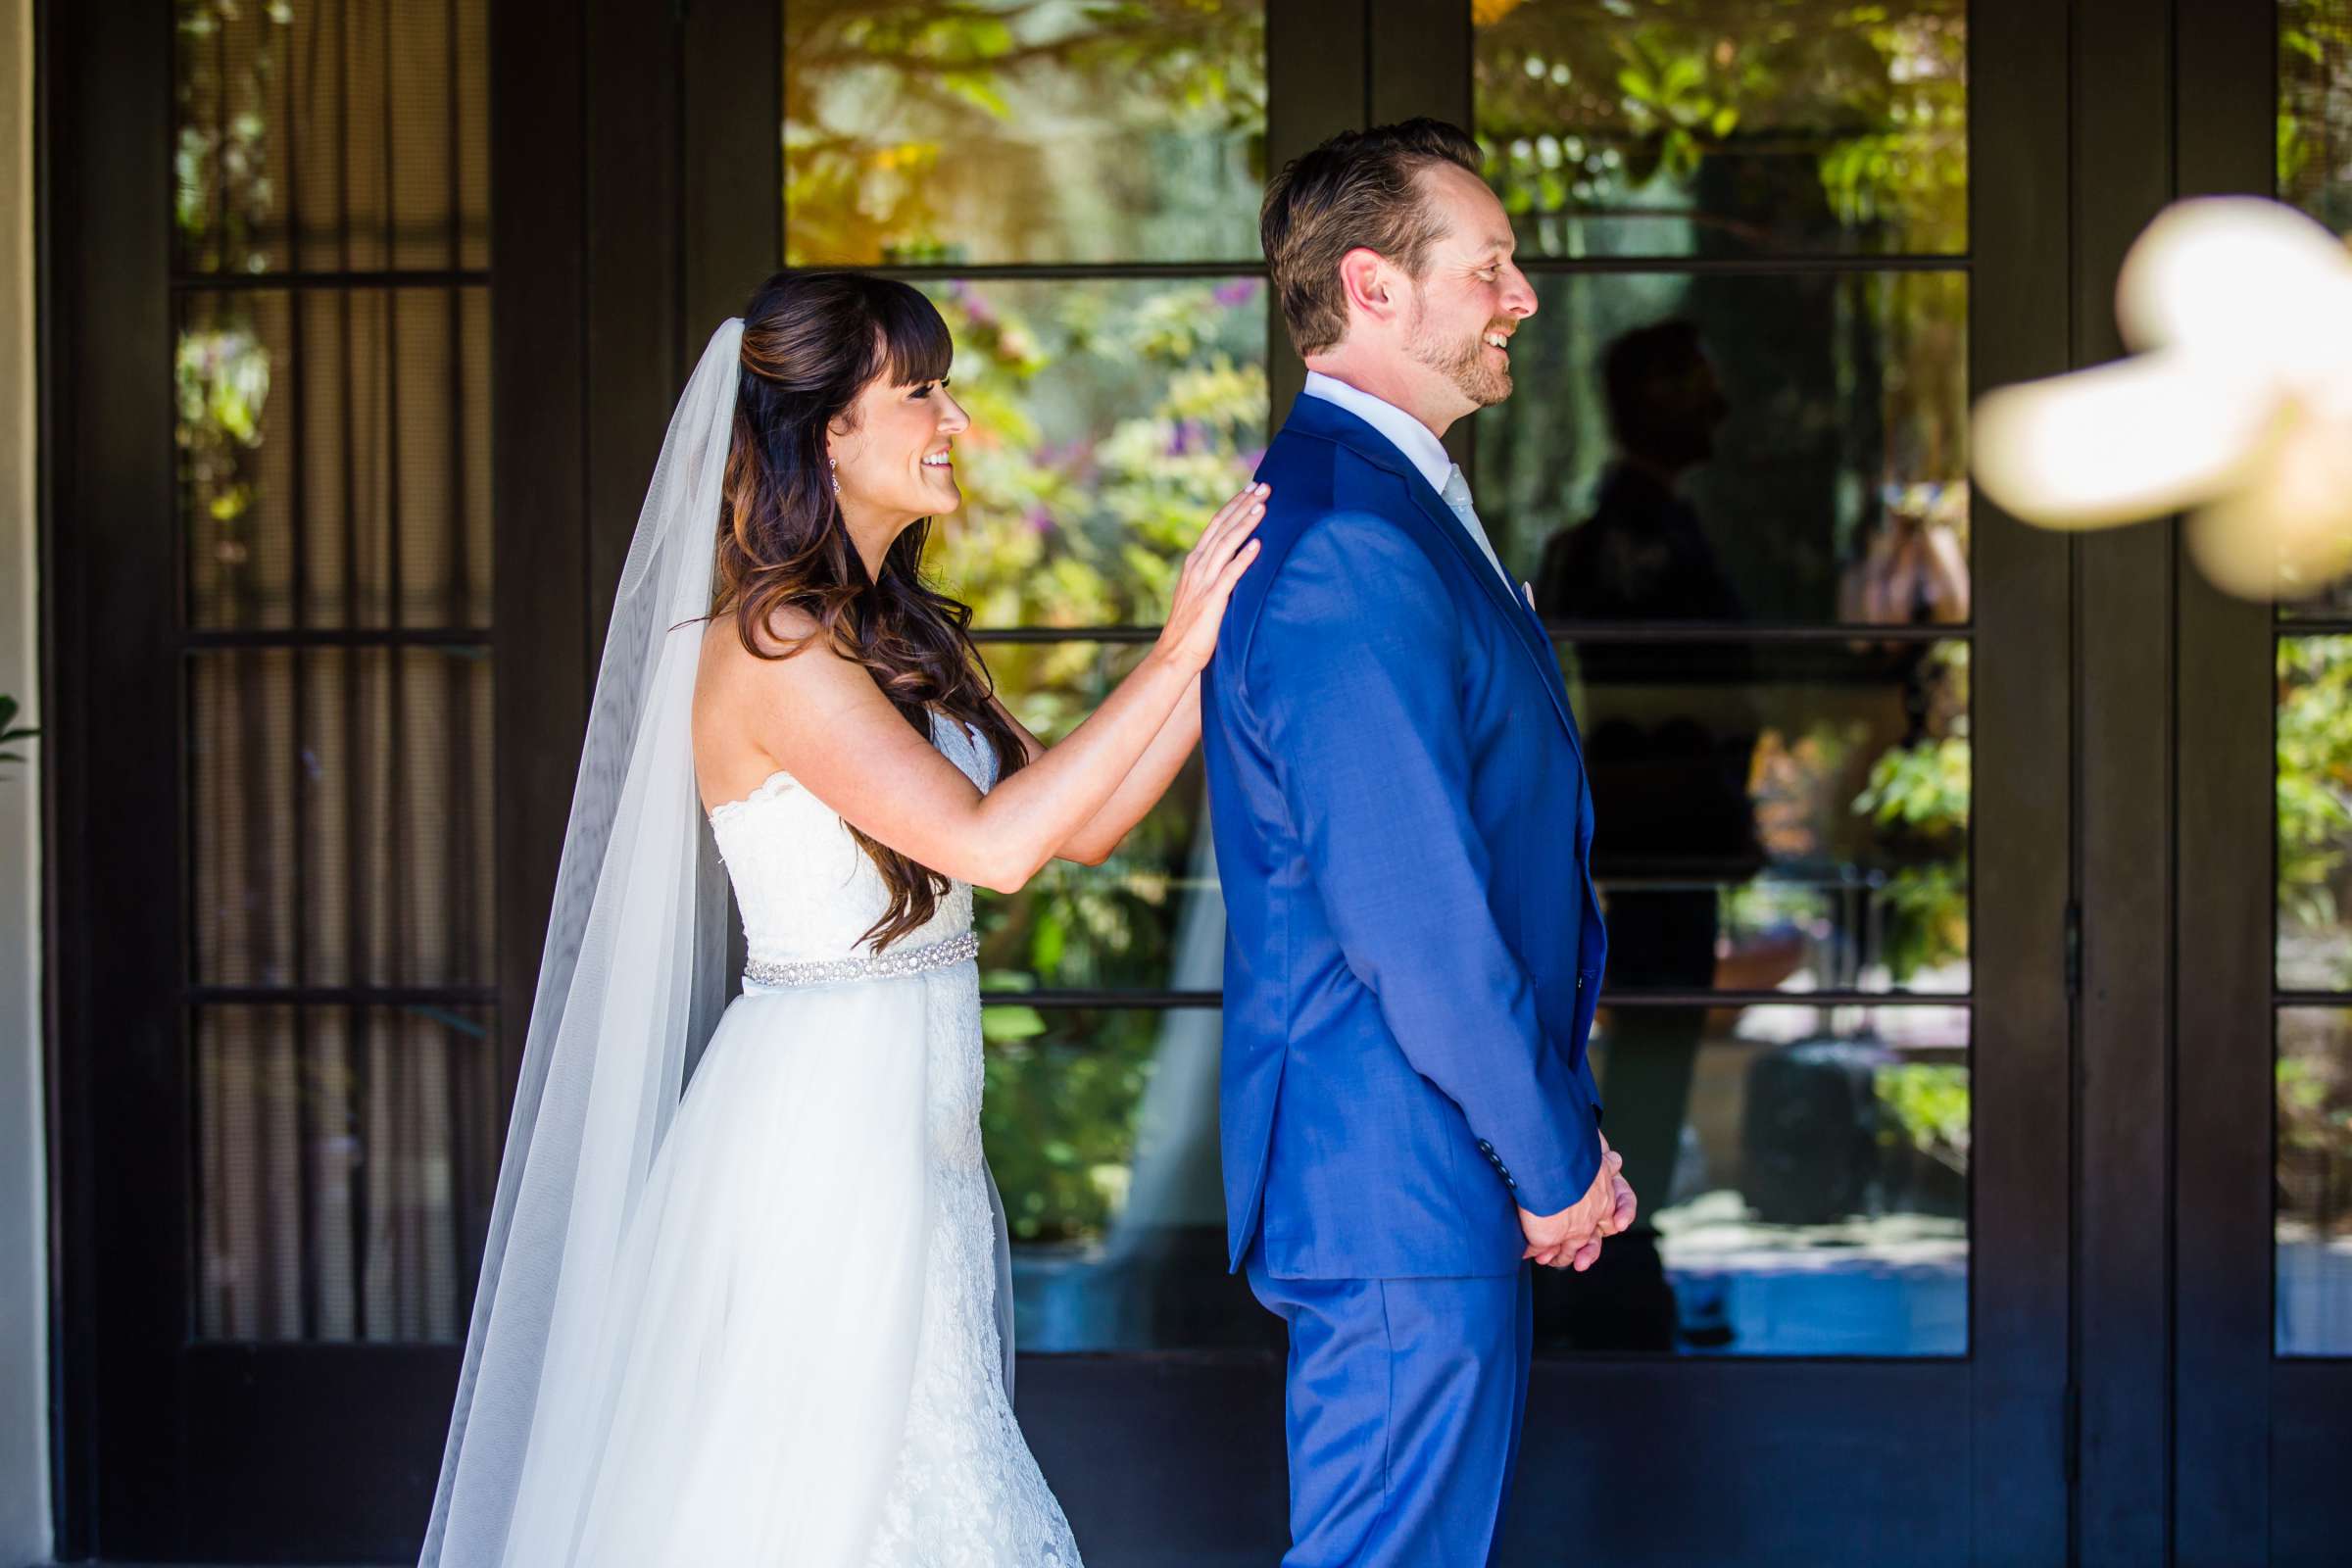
1216	562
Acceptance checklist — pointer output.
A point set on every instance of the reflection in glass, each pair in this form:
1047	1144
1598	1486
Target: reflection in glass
1110	419
1101	1131
344	428
1726	126
1770	449
1805	1177
2315	152
989	131
1147	918
2314	108
2314	1228
2314	814
1805	1171
344	1174
332	137
340	817
1778	818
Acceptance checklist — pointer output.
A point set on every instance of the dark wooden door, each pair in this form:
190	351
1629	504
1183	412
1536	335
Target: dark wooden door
324	607
2263	1058
361	332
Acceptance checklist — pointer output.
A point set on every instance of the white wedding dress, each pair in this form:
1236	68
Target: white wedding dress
799	1360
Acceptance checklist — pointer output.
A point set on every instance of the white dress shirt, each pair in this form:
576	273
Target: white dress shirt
1421	448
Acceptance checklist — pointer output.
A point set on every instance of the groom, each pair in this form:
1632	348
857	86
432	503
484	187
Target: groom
1403	827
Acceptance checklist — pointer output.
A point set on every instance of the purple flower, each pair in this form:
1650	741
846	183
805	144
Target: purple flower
1040	520
1235	291
974	307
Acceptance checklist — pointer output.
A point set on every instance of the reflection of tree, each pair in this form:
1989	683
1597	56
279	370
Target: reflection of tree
1013	128
1592	107
2314	1077
1109	419
2314	108
1058	1115
2315	810
223	198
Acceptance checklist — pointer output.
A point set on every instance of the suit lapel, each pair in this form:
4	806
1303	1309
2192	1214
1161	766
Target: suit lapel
1318	417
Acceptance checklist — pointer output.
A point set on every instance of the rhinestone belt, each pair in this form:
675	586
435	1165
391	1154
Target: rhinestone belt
886	965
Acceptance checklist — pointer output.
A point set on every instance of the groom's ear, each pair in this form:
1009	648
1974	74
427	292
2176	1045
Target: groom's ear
1372	285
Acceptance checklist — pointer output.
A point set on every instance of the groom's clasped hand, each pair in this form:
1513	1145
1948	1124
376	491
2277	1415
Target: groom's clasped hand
1571	1238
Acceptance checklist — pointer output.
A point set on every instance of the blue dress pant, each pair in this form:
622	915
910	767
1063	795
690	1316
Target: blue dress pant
1404	1401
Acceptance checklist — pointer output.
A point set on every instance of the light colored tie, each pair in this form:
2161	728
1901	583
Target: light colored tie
1458	495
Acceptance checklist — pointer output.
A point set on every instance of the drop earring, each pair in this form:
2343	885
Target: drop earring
832	473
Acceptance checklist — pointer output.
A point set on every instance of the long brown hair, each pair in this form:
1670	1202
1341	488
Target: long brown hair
811	342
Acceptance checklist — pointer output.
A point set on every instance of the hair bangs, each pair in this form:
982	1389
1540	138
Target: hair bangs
911	341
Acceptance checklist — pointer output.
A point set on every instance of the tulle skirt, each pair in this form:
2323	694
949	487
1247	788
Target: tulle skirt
753	1363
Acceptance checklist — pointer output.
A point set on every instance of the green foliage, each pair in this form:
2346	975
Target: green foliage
1592	107
1022	130
2314	108
222	196
1109	420
9	734
1928	1103
2314	1077
1058	1115
221	381
1922	787
2314	804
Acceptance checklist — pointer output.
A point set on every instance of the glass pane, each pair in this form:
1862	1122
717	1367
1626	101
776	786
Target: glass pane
1147	918
1805	1171
2314	814
1726	126
331	138
2314	1235
342	806
1763	449
1804	1181
1792	818
343	1183
2315	153
1110	419
1023	130
2314	108
242	772
1102	1129
341	436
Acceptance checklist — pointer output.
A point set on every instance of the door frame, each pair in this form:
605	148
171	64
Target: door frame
170	1448
2084	1102
2256	1438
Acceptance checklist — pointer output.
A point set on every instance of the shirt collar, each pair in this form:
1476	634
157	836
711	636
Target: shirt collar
1405	433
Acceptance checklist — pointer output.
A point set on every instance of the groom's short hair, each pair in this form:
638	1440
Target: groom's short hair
1361	187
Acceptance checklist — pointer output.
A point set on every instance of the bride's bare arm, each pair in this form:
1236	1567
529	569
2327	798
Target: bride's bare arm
1138	790
823	720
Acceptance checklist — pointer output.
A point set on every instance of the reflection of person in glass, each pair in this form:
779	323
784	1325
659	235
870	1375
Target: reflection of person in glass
1643	555
1669	783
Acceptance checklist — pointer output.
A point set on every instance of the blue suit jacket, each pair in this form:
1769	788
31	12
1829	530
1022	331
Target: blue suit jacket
1402	826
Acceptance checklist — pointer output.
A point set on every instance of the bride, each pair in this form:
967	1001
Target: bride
766	1321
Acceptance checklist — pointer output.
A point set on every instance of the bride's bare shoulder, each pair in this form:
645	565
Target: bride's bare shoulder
789	635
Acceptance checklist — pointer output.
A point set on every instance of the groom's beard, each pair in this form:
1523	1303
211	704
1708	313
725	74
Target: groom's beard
1463	363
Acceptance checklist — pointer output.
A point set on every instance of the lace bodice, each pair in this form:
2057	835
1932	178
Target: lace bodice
808	892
